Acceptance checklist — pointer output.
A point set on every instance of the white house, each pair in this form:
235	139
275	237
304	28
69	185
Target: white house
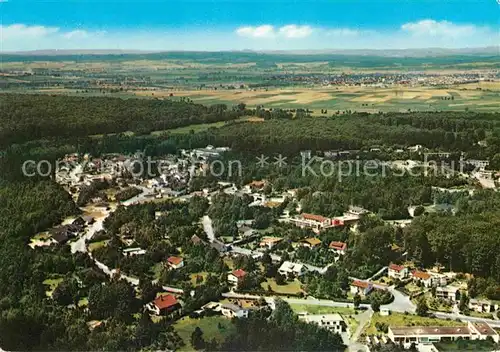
175	262
128	252
230	311
482	306
422	277
361	288
270	242
164	304
236	276
289	268
447	292
332	322
397	271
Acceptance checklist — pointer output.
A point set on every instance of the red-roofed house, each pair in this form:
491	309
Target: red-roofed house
338	247
361	288
236	276
175	262
421	276
397	271
164	304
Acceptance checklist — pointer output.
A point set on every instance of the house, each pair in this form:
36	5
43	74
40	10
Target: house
79	221
175	262
270	242
448	293
397	271
482	306
254	185
332	322
430	334
236	276
63	234
292	269
478	164
129	252
361	288
338	247
164	304
311	242
230	311
423	277
357	211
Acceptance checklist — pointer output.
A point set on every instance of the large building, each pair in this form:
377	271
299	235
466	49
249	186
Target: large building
332	322
430	334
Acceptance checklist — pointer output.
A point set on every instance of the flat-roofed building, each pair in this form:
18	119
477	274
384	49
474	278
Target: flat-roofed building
332	322
449	293
431	334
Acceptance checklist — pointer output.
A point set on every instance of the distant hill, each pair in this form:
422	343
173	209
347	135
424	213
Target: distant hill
423	52
411	58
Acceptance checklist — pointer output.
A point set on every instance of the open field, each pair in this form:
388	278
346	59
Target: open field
290	81
289	288
369	99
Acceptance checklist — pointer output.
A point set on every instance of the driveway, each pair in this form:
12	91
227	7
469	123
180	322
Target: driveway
401	303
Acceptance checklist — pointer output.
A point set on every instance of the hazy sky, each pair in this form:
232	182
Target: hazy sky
245	24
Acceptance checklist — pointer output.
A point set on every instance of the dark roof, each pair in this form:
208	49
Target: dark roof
79	221
219	246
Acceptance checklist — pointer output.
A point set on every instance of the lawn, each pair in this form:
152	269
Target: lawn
216	327
43	236
157	270
312	309
52	283
289	288
229	262
203	274
399	319
83	302
95	245
187	129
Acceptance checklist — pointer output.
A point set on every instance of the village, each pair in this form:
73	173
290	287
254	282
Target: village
301	259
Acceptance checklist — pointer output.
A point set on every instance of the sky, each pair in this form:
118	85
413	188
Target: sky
209	25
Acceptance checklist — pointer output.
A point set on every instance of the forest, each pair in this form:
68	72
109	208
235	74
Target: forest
26	117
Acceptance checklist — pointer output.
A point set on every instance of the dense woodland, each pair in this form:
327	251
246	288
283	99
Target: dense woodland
29	117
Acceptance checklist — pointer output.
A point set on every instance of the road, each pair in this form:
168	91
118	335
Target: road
79	245
208	228
363	320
